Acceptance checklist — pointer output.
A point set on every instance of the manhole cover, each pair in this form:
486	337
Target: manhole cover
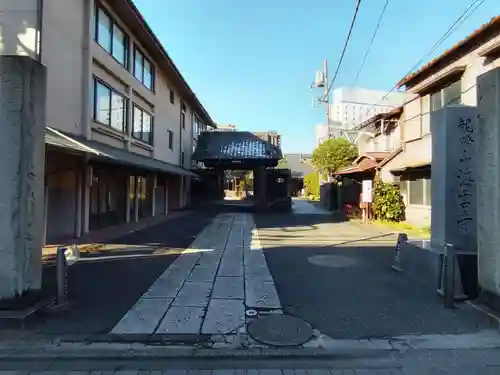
332	261
280	330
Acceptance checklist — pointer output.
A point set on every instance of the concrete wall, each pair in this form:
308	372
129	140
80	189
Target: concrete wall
19	27
488	181
418	215
22	110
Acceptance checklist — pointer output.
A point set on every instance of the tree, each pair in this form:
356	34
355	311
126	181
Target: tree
311	184
334	154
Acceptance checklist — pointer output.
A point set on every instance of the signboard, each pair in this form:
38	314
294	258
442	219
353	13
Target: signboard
367	191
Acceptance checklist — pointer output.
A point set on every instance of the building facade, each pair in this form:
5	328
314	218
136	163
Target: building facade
449	79
352	106
122	122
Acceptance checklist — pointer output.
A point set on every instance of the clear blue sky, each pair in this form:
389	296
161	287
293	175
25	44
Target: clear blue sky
251	62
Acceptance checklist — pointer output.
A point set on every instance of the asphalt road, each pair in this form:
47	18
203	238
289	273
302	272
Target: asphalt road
337	277
104	286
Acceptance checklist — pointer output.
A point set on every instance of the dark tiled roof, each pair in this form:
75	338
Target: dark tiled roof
298	164
234	145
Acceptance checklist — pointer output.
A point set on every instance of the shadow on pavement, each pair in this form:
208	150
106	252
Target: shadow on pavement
104	285
307	222
347	289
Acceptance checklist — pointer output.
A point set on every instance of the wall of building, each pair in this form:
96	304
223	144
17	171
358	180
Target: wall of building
60	183
19	27
352	106
62	54
67	46
417	112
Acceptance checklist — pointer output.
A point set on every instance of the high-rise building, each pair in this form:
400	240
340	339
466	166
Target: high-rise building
352	106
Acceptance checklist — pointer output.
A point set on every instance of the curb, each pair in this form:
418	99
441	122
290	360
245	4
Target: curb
185	353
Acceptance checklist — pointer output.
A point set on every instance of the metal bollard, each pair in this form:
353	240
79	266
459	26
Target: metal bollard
62	276
449	276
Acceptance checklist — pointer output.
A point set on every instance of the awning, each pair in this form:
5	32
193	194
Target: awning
101	151
404	161
442	80
412	165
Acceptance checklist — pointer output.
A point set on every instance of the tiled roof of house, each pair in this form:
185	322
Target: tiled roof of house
237	145
470	39
298	165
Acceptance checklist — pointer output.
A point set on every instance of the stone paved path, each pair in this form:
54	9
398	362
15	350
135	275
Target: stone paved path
209	286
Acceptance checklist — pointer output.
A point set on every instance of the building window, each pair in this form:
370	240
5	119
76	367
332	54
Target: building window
418	191
110	107
183	116
450	95
196	126
171	139
111	37
142	125
143	69
172	96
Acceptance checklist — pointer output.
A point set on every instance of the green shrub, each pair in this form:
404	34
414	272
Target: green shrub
388	204
311	184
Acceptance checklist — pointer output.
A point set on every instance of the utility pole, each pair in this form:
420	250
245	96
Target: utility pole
326	96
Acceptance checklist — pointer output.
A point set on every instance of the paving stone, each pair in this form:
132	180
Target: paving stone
175	372
186	260
223	316
182	320
223	372
258	271
209	259
254	258
168	284
230	268
203	273
260	294
270	372
143	317
229	288
195	294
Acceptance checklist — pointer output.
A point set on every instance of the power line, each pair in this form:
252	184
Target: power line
371	42
458	22
344	48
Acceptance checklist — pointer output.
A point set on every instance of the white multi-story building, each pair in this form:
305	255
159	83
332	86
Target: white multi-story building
352	106
121	119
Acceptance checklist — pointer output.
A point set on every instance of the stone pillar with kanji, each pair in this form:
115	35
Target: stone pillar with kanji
453	171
